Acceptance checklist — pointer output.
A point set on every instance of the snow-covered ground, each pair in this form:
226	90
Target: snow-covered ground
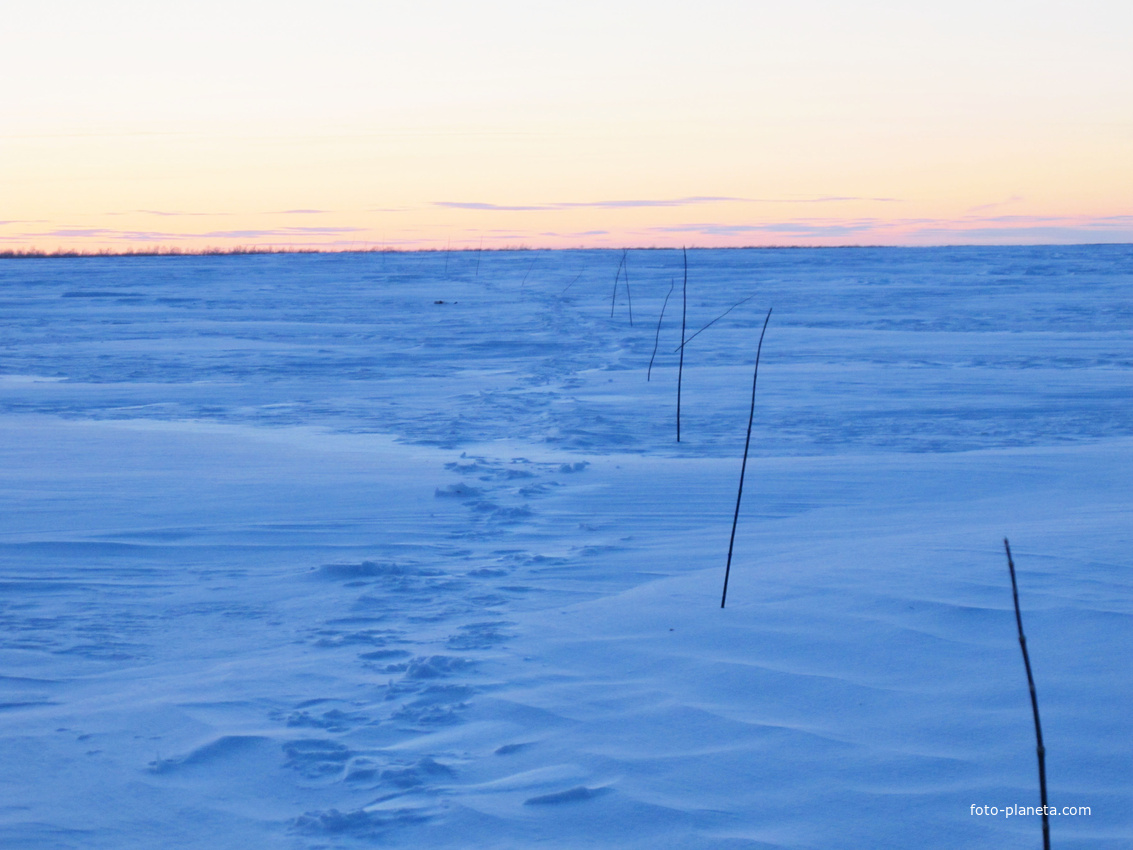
295	555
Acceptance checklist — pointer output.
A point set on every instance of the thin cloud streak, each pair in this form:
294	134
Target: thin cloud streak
475	205
1031	234
283	231
798	229
643	203
169	214
164	235
801	230
958	231
578	235
1014	199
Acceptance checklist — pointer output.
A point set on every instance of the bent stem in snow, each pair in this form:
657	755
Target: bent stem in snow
1041	750
525	274
714	321
572	283
681	365
657	337
617	275
743	467
629	298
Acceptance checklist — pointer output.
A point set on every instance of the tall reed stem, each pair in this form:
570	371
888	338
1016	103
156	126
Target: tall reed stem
629	298
1040	749
681	365
572	283
743	467
657	337
617	275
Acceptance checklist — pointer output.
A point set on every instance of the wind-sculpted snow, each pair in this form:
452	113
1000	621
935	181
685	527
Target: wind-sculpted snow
922	349
400	550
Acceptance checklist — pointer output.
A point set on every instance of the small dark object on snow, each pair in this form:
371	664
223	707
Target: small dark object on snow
743	466
681	365
1034	698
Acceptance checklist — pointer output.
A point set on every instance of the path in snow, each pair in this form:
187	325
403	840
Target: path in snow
295	557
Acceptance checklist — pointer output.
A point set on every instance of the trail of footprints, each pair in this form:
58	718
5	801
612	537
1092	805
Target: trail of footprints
423	634
418	628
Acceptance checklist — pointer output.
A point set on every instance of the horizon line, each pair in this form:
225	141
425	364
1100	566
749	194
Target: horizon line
79	253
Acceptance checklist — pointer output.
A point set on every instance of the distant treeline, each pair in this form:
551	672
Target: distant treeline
34	253
39	253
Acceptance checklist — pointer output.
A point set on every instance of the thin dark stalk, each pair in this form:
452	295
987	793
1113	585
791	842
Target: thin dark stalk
681	366
1034	698
479	251
572	283
714	321
529	268
657	338
743	467
617	275
629	298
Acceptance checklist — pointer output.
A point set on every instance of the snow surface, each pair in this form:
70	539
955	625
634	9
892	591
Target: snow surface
296	556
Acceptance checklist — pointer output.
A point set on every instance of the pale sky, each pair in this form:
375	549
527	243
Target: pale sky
616	123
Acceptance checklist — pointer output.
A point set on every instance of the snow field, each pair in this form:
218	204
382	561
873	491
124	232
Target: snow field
294	557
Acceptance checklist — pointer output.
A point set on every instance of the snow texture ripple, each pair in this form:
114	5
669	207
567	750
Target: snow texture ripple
333	551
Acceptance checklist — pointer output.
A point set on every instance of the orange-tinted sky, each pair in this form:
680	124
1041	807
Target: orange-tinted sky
430	124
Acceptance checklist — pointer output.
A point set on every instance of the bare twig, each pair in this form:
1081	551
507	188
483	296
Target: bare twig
617	275
657	338
572	283
529	268
629	298
743	467
714	321
1041	750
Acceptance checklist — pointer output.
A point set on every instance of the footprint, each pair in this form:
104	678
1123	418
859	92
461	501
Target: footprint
334	720
539	489
332	638
458	491
512	514
438	705
384	655
438	667
479	635
364	570
359	823
415	775
488	572
316	758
